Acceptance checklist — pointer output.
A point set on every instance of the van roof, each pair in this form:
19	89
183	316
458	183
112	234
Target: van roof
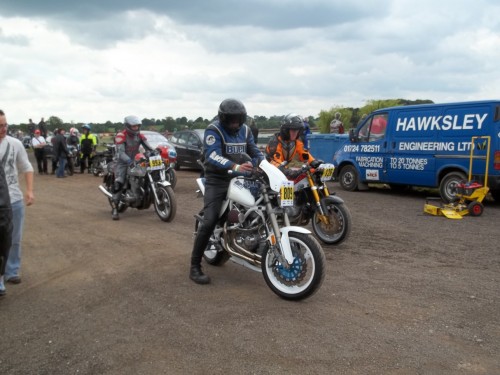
430	105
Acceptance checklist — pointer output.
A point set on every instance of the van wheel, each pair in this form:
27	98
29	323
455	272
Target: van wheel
348	178
448	186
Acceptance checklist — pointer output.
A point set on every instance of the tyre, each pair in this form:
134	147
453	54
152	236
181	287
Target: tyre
306	274
96	170
214	254
167	207
340	224
448	186
475	208
171	177
348	178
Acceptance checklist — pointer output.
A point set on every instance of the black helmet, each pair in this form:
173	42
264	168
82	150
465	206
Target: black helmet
131	121
291	121
230	110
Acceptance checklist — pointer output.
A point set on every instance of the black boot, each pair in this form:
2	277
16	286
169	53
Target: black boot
114	214
197	275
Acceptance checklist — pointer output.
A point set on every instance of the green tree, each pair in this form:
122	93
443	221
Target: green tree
54	122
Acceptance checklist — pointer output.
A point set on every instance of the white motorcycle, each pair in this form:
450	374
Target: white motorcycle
254	231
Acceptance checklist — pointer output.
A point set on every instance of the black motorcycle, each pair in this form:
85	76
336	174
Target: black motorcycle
71	160
101	159
146	184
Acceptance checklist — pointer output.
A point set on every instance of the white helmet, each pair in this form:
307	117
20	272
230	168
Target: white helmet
132	121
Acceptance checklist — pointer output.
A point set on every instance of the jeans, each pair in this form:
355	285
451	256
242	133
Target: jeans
14	259
60	168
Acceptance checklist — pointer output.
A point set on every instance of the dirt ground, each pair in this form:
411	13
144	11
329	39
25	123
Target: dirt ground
407	293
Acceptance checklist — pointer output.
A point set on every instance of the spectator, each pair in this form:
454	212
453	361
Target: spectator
254	129
53	154
305	133
31	128
5	225
38	143
336	126
88	144
43	128
14	160
61	152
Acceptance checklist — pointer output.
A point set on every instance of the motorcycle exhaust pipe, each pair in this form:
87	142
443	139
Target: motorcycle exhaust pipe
105	192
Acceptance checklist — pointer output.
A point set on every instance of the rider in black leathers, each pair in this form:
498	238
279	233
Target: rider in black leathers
224	139
127	143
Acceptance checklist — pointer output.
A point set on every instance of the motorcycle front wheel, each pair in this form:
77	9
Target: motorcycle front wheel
167	206
339	226
304	276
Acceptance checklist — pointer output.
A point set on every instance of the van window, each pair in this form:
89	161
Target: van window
374	129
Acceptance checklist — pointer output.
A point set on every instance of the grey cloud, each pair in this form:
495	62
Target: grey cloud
19	40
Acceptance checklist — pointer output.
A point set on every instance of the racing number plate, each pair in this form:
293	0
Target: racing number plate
155	162
286	194
327	172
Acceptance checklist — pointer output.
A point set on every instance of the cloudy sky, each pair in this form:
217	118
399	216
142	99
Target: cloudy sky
99	60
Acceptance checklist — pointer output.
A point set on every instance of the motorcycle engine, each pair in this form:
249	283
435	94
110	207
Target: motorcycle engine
249	241
246	233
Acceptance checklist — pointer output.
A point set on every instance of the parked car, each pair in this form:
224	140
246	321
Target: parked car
157	140
189	145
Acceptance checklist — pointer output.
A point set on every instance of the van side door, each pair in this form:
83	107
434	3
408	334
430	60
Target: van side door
371	148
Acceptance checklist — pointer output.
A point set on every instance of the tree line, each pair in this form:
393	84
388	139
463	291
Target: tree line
349	116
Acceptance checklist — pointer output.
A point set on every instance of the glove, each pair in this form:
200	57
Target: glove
316	163
292	174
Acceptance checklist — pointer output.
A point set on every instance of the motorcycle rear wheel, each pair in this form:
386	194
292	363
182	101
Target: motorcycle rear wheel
340	223
167	207
213	255
70	167
171	177
305	275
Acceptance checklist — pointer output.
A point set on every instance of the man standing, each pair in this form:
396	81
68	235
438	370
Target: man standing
43	128
60	152
5	225
31	128
336	126
15	161
88	144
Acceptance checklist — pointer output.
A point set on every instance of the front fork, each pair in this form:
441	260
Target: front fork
322	210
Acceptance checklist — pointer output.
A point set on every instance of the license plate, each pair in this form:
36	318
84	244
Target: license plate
286	194
155	162
327	172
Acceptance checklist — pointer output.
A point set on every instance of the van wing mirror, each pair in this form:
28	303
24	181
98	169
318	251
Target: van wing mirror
352	136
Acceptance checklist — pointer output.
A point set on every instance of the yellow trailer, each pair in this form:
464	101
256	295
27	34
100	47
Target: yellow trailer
470	194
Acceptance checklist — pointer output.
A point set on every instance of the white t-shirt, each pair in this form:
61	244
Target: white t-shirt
16	162
37	142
